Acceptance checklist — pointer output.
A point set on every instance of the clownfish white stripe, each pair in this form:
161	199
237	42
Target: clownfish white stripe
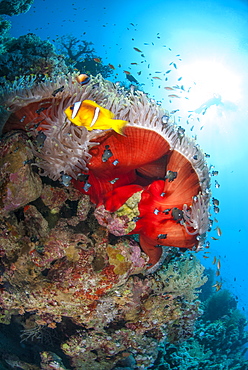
76	107
96	114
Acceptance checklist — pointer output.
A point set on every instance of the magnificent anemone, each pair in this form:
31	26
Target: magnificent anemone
153	157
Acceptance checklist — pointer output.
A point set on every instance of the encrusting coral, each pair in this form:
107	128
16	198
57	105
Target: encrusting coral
68	256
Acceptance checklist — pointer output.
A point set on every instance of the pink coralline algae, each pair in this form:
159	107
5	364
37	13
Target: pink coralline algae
19	185
54	198
117	225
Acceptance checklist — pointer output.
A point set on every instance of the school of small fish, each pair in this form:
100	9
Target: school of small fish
92	116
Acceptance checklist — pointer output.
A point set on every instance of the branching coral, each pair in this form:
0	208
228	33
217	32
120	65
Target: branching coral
80	54
185	277
73	47
89	351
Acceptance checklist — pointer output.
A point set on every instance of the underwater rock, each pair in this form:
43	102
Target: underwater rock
35	225
19	185
53	197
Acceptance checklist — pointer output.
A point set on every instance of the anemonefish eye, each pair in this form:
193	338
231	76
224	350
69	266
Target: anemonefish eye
75	108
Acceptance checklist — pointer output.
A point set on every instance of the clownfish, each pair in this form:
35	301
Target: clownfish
83	79
94	117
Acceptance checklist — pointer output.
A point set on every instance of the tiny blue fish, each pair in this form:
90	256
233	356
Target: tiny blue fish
65	179
165	119
86	187
216	209
40	139
171	175
60	89
216	184
135	219
41	110
82	177
162	236
114	180
106	154
174	111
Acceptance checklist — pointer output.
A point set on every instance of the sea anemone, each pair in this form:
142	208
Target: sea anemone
152	157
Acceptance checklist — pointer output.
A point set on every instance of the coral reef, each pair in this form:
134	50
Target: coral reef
218	305
81	55
79	254
4	34
217	344
173	181
13	7
89	277
63	271
28	55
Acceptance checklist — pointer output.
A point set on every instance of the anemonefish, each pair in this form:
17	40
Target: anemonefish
94	117
83	79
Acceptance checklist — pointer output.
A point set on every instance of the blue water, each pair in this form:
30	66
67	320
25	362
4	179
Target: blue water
208	42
